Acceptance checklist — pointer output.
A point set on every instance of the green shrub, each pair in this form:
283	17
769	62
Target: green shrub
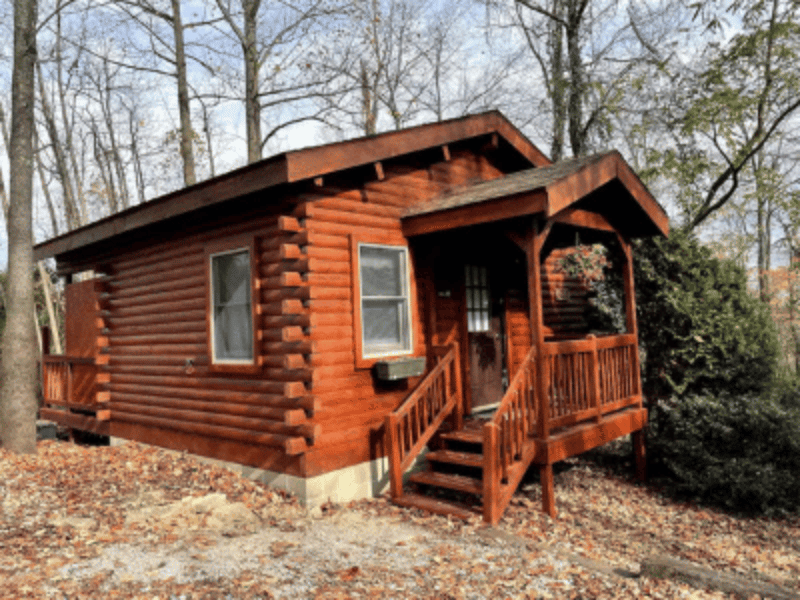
700	328
738	452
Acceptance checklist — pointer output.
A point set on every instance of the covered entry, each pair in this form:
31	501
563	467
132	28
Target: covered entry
492	306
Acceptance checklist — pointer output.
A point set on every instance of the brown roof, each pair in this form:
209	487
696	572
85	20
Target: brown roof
289	167
548	189
514	183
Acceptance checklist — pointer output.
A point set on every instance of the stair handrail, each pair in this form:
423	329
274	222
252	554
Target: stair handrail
508	443
411	426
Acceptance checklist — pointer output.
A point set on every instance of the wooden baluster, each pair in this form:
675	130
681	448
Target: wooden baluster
395	476
594	374
68	399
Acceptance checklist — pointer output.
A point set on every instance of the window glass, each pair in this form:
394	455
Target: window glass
232	312
385	320
476	279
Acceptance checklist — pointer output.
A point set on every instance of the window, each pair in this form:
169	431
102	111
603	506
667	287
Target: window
385	307
231	307
477	289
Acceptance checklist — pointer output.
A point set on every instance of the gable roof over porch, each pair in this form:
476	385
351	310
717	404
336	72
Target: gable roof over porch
602	184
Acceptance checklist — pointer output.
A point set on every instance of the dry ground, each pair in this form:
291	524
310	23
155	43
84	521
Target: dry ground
138	522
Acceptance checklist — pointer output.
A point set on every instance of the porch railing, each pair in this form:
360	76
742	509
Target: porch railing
590	377
507	445
411	426
68	381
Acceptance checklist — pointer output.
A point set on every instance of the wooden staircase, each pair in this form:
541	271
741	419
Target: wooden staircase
576	395
476	467
456	467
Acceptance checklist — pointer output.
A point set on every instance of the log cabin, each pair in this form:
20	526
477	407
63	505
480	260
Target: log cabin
326	316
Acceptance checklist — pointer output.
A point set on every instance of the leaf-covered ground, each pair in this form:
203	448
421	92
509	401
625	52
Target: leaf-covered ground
138	522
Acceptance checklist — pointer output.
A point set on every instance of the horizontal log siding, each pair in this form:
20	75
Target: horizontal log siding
350	406
157	368
353	406
518	333
564	296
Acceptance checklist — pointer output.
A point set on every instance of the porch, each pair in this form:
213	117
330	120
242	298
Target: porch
567	386
580	395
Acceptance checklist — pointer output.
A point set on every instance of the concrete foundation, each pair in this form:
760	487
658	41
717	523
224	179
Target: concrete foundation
365	480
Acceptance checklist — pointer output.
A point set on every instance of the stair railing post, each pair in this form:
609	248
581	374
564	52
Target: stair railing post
542	389
393	441
491	480
458	412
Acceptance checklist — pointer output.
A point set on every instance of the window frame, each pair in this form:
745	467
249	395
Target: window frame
363	360
232	245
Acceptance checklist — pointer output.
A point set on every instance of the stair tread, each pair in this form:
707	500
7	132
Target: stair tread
467	459
436	505
464	435
449	481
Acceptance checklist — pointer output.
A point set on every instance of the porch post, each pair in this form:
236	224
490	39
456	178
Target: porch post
630	311
536	241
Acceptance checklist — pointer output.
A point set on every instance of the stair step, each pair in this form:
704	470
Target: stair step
467	459
435	505
449	481
469	436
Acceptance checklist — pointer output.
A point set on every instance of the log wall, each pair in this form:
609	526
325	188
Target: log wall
353	405
156	370
311	405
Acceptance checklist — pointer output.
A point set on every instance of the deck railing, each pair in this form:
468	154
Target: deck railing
68	380
411	426
590	377
507	447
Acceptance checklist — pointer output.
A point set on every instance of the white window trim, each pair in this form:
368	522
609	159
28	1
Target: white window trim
230	361
406	296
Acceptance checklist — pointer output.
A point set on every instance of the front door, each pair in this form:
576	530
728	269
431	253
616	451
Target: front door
486	338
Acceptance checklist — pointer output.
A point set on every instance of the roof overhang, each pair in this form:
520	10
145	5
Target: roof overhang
602	185
290	167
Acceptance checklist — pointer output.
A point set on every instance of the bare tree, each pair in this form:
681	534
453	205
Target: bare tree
278	50
18	395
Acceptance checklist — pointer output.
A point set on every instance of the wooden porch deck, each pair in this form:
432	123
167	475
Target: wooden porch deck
69	394
593	396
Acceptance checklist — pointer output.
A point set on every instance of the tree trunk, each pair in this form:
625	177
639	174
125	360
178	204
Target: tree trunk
575	103
187	154
18	406
252	106
72	211
559	83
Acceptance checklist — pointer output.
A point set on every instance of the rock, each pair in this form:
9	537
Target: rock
82	523
212	511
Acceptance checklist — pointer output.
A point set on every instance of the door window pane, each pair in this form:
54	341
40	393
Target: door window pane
478	300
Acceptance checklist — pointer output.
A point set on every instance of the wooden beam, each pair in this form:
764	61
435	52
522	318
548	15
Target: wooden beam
537	239
548	490
583	218
518	205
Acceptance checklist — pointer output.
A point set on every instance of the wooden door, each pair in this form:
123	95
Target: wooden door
485	331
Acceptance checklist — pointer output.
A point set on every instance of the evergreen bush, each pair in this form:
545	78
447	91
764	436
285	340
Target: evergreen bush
741	452
700	329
